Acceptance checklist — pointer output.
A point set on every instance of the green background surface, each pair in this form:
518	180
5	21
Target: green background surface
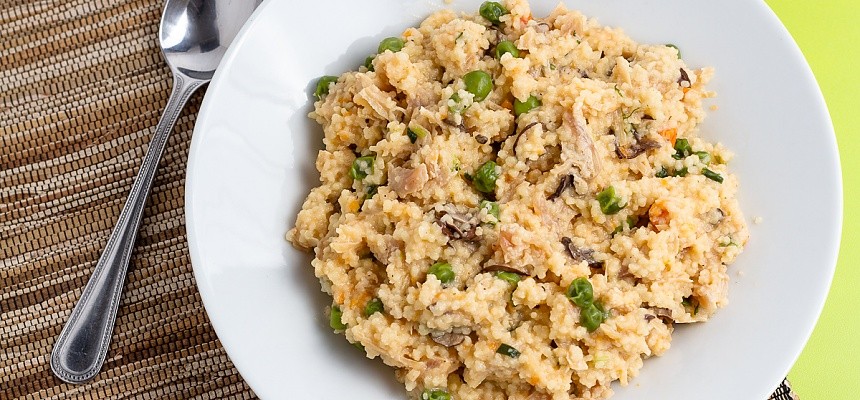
828	33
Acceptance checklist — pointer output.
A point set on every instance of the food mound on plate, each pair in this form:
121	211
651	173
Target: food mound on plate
518	207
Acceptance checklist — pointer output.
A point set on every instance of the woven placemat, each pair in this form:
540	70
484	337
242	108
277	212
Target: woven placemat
82	84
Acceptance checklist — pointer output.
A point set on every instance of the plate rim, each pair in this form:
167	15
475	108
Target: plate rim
199	270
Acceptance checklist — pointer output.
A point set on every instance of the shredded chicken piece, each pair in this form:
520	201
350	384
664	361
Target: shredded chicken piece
405	181
583	156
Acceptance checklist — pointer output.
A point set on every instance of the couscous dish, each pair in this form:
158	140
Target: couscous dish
514	207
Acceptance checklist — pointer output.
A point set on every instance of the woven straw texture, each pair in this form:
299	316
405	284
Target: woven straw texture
82	85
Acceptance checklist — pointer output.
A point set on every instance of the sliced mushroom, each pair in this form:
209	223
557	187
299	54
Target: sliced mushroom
517	140
504	268
684	79
635	149
663	313
566	181
457	225
447	339
580	255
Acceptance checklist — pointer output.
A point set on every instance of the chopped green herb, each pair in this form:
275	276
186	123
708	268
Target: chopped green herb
394	44
415	132
485	177
522	107
662	173
508	350
704	157
362	167
628	223
358	345
323	85
681	172
492	11
435	394
370	191
335	318
682	149
617	90
712	175
492	208
690	302
372	307
628	115
442	271
580	292
674	47
729	243
609	203
457	108
459	36
455	166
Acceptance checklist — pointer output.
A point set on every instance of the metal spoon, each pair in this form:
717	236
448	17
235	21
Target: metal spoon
194	35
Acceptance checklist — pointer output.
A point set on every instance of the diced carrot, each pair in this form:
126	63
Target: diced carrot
670	135
507	104
686	89
525	19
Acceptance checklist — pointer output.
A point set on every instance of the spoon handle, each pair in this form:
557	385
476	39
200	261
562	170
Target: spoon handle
80	350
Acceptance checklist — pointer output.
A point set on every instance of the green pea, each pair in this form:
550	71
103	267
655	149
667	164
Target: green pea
508	350
682	149
435	394
492	208
609	203
335	318
485	177
674	47
323	85
592	316
522	107
580	292
507	46
704	157
368	62
442	271
362	167
712	175
492	11
478	83
508	277
372	307
394	44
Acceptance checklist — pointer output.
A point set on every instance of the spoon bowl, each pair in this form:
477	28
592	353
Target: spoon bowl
194	35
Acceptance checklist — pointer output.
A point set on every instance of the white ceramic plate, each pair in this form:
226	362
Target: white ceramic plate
252	163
